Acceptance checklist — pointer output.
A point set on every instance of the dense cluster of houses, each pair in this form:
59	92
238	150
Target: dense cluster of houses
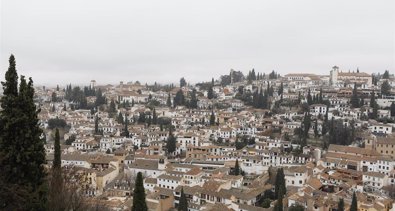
205	154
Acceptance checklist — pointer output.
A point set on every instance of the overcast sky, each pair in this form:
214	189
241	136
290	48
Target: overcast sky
111	41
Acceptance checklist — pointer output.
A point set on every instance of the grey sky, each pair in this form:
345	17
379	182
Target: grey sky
79	40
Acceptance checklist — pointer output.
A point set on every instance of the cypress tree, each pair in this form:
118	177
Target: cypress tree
279	204
354	203
154	117
210	93
340	205
212	118
22	153
183	205
236	170
316	129
392	109
120	118
96	125
385	88
309	98
372	99
56	182
355	101
126	130
171	142
281	89
112	107
194	100
168	102
139	203
57	154
280	189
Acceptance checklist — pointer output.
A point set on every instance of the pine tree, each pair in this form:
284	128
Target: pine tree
22	154
183	205
64	107
340	205
212	118
139	203
280	189
354	203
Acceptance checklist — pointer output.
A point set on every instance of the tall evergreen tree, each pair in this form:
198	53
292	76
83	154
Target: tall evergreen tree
354	203
171	142
280	189
96	125
120	118
54	97
22	154
139	203
309	98
320	98
183	205
372	99
392	109
57	153
183	82
210	93
281	89
179	99
385	88
386	75
154	117
279	204
212	118
168	102
193	102
355	101
56	180
113	108
340	205
237	170
126	129
316	129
